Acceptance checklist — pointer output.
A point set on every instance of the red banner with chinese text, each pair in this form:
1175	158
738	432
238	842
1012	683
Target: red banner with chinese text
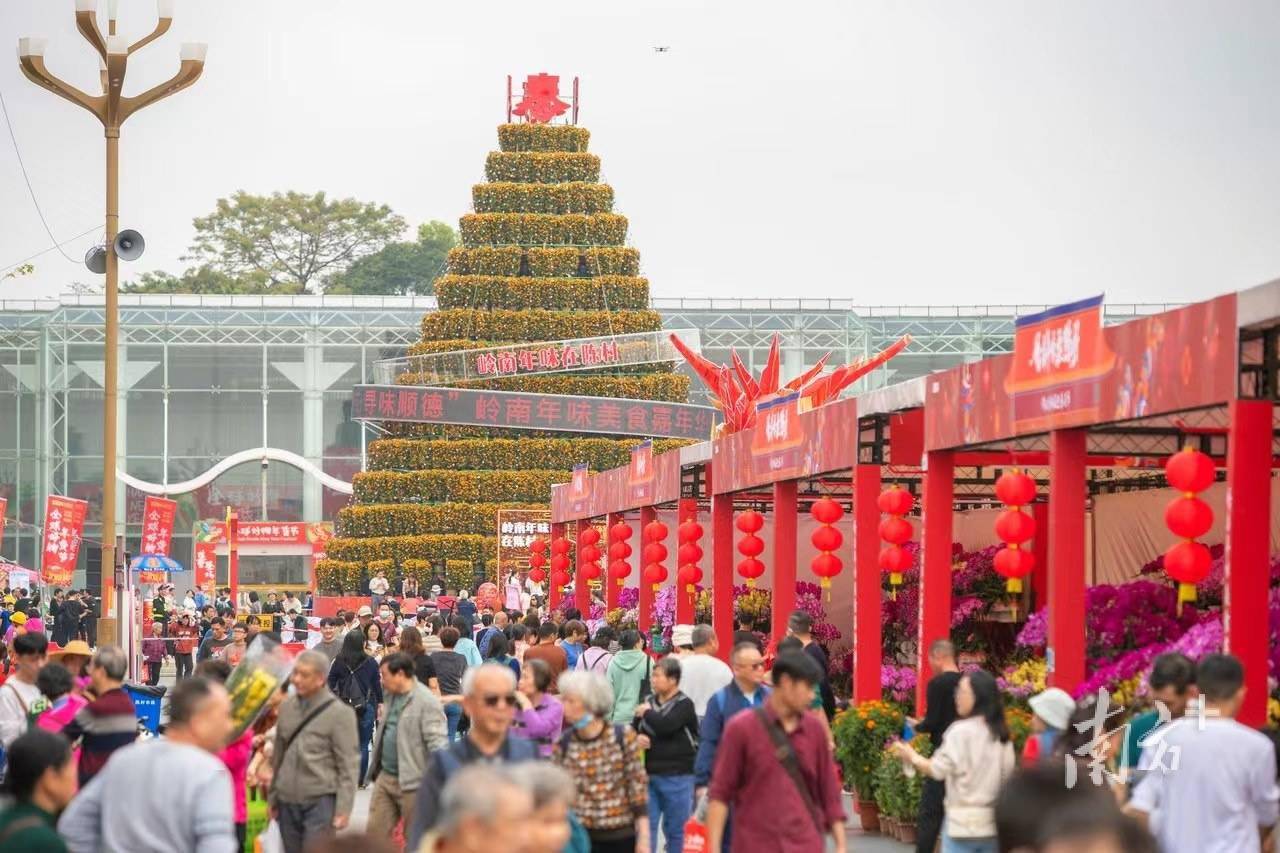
1059	359
619	489
1181	359
205	557
157	525
785	444
63	529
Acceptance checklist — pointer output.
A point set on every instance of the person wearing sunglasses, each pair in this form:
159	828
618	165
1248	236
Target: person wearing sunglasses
489	700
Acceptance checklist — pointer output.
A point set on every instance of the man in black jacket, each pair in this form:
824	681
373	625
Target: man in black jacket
668	727
940	712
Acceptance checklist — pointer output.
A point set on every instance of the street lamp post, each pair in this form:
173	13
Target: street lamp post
111	107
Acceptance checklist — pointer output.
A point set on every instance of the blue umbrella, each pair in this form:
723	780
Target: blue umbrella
155	563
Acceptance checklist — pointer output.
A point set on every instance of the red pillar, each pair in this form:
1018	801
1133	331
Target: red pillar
785	516
1040	548
553	595
645	617
866	583
1244	612
722	571
611	586
1067	496
685	600
935	561
581	589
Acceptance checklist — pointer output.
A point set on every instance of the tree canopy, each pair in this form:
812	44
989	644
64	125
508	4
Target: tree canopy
408	268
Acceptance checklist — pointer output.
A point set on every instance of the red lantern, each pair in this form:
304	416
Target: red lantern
1014	564
654	552
1014	488
896	530
560	545
1190	471
750	546
826	511
590	536
655	531
689	553
620	570
826	566
750	521
655	574
589	571
559	563
895	560
620	532
689	576
1188	562
537	560
537	575
690	531
895	500
1188	518
588	554
750	569
826	538
1014	525
560	579
538	546
619	551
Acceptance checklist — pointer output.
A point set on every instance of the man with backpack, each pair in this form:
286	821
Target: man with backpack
315	759
489	699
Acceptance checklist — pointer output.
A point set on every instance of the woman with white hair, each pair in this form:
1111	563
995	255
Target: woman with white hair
604	760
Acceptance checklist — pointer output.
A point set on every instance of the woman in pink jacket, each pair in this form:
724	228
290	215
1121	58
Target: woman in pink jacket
540	715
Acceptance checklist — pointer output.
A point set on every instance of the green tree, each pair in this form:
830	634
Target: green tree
406	268
290	238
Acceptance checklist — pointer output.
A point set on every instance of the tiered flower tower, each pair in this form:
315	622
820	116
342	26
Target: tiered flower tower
542	259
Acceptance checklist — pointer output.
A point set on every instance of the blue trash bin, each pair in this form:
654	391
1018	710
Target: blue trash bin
146	703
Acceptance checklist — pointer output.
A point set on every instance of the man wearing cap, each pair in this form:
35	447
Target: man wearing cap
682	640
702	674
1051	715
365	615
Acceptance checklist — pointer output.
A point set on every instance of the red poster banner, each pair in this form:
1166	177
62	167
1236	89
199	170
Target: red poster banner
157	525
63	528
206	565
785	444
620	489
1181	359
4	508
1059	360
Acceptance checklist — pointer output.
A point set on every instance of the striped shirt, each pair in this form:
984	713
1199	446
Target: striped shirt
104	725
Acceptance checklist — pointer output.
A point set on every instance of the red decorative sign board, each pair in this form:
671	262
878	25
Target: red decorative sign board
316	534
785	444
1059	359
541	102
1170	362
640	472
157	525
63	529
206	565
579	490
618	489
4	509
516	529
516	410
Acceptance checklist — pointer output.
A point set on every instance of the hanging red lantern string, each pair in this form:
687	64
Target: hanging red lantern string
750	546
1015	529
620	552
560	562
1189	518
655	533
589	554
895	502
826	538
537	559
689	555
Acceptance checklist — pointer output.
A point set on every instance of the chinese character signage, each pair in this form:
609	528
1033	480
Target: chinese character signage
63	527
1059	359
777	440
785	443
316	534
614	490
517	410
206	560
447	368
516	529
640	472
157	525
1170	362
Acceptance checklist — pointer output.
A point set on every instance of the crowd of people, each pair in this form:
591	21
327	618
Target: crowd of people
479	729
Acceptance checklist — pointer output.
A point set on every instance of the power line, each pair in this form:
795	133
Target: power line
50	249
23	166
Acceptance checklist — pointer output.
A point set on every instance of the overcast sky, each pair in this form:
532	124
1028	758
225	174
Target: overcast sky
892	152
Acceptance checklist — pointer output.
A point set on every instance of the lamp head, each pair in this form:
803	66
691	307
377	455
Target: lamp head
164	9
194	51
28	46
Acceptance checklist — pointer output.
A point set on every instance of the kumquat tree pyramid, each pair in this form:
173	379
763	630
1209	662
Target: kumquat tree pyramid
542	258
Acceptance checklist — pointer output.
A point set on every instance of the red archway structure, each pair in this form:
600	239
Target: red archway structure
1099	418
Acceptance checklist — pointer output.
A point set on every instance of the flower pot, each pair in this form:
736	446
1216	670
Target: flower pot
908	835
889	826
869	815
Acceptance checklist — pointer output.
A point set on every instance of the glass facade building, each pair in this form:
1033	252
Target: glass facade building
203	377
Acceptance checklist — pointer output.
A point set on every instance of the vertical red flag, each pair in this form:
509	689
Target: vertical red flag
63	527
206	560
157	525
4	508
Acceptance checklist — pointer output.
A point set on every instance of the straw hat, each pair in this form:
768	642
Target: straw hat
75	647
